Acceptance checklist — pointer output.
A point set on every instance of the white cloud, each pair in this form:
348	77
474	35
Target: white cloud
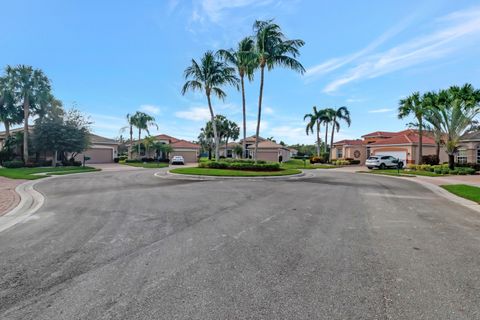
463	25
194	114
382	110
268	110
150	108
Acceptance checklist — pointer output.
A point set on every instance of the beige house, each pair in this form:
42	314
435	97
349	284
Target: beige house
469	148
267	150
101	150
188	150
403	145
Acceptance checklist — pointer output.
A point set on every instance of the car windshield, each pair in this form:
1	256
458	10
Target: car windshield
373	158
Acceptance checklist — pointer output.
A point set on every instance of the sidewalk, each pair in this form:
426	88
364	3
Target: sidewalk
8	197
473	180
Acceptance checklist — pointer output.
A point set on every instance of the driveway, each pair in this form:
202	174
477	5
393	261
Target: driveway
128	245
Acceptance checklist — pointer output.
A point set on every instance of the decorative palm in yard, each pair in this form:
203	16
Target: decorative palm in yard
209	76
32	87
316	119
142	121
130	121
340	114
416	106
244	59
10	112
273	50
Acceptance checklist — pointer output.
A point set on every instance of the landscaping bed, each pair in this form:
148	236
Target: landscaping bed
464	191
241	165
140	164
33	173
234	173
300	164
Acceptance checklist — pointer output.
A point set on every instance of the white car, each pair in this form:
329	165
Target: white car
177	160
383	162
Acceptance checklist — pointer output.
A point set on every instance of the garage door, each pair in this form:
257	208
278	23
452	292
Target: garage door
188	156
402	155
99	155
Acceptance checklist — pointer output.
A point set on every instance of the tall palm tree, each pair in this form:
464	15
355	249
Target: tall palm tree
244	60
231	131
148	142
413	105
329	113
10	112
130	121
432	119
273	50
340	114
317	118
31	86
142	121
209	76
457	110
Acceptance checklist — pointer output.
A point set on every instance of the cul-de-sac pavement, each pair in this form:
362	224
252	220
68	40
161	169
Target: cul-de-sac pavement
328	245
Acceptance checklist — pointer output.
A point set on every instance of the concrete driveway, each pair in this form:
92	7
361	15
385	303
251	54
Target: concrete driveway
128	245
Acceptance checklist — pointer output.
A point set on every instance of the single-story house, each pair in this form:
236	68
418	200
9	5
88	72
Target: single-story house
188	150
101	150
403	145
349	149
267	150
469	148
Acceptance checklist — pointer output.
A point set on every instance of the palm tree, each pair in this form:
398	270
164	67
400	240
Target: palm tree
317	117
328	118
10	112
432	119
142	121
31	86
244	59
231	131
130	121
457	109
273	50
209	76
341	113
148	142
414	105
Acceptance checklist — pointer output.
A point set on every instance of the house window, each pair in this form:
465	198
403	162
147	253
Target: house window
462	156
339	153
478	155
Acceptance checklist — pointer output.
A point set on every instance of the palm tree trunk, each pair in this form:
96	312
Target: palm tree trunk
131	143
260	96
7	128
437	152
331	140
318	138
325	147
26	113
244	110
226	144
214	126
451	161
139	137
420	141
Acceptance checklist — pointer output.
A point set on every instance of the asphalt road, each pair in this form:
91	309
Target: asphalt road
128	245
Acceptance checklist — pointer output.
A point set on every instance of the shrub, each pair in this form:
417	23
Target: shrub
122	158
145	159
430	159
241	165
317	160
354	161
438	170
341	162
116	160
132	161
13	164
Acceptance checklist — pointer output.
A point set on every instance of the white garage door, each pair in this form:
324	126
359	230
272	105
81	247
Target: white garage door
402	155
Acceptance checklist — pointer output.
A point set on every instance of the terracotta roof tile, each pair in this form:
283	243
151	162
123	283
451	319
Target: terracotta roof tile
408	136
349	142
184	144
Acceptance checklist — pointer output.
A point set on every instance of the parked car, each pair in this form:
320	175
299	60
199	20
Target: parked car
178	160
383	162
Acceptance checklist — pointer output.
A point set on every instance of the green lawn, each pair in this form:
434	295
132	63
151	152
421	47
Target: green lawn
299	164
464	191
233	173
29	173
403	173
147	164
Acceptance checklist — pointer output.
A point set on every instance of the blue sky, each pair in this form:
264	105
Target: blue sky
110	58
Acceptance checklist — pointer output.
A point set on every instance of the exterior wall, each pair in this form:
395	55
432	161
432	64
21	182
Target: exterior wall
472	148
354	151
189	155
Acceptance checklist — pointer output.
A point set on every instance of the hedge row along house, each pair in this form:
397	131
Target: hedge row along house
404	145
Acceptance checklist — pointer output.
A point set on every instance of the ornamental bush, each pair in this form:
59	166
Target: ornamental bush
13	164
241	165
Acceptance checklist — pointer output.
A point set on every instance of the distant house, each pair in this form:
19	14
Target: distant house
469	148
267	150
402	145
101	150
188	150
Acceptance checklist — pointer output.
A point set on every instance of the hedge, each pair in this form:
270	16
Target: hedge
241	165
13	164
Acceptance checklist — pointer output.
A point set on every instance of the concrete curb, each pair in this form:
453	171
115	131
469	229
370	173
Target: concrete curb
30	201
168	174
439	191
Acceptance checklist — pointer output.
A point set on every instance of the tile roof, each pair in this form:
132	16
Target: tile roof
474	135
252	139
166	137
408	136
101	140
349	142
267	144
379	134
184	144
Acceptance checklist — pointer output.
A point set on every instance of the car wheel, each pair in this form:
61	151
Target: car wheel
370	168
382	166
